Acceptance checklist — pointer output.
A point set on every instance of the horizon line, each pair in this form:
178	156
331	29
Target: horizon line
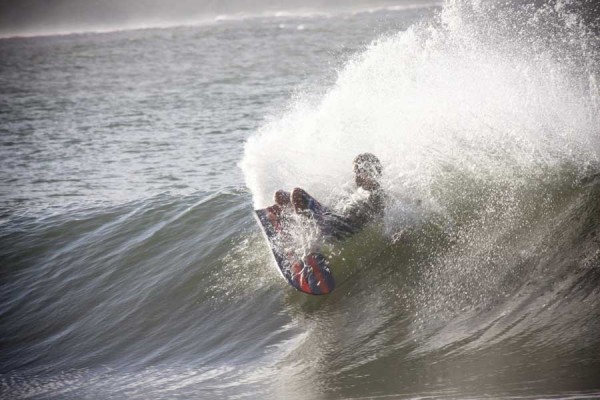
221	18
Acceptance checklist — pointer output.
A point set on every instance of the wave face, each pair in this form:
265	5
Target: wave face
487	123
131	265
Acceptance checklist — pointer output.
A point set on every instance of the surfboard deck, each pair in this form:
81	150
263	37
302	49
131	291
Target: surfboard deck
309	274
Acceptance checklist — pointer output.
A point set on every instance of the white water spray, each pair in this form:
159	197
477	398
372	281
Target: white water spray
480	95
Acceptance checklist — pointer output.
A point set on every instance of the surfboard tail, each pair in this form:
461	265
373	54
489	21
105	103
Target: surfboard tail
309	274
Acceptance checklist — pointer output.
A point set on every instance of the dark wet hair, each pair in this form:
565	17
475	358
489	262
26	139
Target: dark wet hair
367	164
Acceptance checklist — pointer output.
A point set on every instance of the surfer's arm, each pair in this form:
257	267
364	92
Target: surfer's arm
364	211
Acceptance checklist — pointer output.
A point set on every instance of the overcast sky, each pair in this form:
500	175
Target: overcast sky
27	17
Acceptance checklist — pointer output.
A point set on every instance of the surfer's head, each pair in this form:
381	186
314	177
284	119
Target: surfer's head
367	171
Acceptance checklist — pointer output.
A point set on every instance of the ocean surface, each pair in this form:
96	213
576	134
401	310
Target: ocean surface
131	265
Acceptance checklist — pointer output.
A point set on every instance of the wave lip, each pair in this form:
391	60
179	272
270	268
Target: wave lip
458	99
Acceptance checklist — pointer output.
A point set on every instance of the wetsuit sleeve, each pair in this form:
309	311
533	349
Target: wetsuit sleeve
365	211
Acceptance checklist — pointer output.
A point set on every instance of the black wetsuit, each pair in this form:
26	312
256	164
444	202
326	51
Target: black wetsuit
355	216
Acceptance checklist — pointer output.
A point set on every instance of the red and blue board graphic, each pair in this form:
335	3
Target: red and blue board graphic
309	274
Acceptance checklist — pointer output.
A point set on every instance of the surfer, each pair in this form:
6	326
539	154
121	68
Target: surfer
305	267
366	204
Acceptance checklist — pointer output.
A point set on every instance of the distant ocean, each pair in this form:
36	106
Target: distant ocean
131	266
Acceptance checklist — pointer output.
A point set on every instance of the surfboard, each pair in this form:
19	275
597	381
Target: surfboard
309	273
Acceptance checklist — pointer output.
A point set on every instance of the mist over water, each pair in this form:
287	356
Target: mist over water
48	17
131	265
